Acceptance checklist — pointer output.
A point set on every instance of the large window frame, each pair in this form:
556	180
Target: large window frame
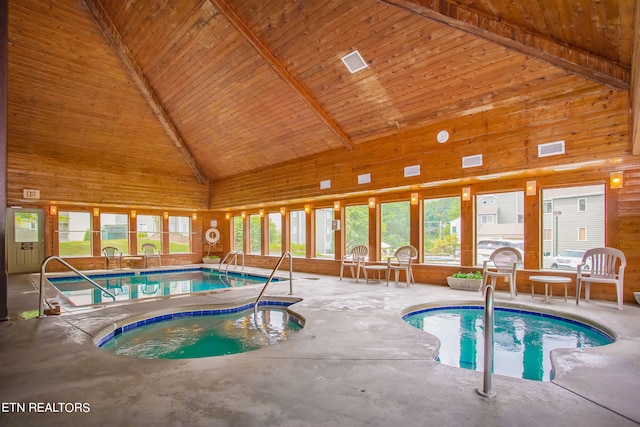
75	235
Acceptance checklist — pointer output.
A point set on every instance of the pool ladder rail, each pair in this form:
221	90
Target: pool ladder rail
234	258
43	267
273	272
488	343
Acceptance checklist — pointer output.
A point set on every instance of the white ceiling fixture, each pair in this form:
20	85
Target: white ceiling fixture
442	137
354	62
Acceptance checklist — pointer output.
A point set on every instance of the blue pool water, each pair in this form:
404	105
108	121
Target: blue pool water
152	284
203	333
523	340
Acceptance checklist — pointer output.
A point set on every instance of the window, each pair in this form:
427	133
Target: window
547	206
506	227
298	230
356	226
179	234
582	234
441	227
26	227
324	233
582	205
395	227
149	231
275	233
568	221
74	233
114	231
255	234
238	233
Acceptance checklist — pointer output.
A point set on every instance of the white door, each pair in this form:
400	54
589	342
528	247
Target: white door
25	240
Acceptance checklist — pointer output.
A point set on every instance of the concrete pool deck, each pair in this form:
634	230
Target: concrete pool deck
355	363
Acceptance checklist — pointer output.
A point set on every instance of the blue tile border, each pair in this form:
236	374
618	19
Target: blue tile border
194	313
514	310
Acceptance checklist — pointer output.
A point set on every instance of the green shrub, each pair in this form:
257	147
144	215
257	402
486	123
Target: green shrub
471	275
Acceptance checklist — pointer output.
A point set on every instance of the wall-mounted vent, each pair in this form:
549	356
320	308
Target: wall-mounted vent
412	171
472	161
551	149
325	184
365	178
354	62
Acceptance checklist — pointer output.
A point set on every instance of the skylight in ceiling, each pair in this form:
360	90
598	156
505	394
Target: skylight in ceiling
354	62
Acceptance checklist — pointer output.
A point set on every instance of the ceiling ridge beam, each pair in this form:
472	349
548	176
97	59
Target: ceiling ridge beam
266	54
572	59
111	34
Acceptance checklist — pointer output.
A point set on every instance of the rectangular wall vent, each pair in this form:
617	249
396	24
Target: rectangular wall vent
325	184
354	62
472	161
412	171
364	178
551	149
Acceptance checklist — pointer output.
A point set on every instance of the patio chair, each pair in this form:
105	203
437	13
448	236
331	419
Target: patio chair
601	265
502	262
150	251
401	261
355	259
111	253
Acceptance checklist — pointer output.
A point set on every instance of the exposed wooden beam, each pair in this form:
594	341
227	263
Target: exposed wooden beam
634	92
240	26
569	58
113	37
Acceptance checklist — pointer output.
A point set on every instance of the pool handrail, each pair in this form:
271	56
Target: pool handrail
273	272
488	343
43	268
234	255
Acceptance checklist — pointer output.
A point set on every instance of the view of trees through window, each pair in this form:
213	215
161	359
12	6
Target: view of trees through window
356	226
238	233
395	227
442	230
275	233
255	234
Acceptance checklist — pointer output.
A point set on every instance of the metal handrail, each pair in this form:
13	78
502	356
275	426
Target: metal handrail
273	272
488	343
43	267
234	259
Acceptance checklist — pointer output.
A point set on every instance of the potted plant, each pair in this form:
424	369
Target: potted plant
468	281
211	259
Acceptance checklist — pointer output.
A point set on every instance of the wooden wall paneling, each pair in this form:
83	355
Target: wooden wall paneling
165	235
532	233
133	235
310	227
265	234
467	231
286	232
339	235
96	241
375	241
415	233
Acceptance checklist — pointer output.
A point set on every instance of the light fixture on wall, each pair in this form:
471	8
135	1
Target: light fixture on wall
96	211
307	208
283	211
336	205
53	209
466	194
531	188
243	214
227	216
616	180
165	215
261	213
133	214
194	216
372	202
414	198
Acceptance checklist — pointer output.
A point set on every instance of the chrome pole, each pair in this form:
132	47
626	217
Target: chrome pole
488	343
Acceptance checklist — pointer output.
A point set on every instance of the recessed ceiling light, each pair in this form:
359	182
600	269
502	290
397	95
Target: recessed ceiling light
354	62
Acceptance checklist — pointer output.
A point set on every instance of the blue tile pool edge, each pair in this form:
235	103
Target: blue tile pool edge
100	340
601	330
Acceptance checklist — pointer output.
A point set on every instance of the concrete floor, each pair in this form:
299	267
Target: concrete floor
355	363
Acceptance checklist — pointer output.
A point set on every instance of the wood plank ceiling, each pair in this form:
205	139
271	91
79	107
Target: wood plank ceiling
239	85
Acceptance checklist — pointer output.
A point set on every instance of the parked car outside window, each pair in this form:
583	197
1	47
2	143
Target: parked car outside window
486	247
569	259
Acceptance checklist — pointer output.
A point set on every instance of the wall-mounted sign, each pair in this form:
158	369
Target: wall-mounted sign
31	194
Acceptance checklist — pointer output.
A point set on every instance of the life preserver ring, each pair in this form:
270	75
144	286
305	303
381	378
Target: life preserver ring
212	236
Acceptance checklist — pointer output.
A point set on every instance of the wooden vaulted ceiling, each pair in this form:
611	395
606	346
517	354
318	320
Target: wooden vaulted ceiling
214	88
